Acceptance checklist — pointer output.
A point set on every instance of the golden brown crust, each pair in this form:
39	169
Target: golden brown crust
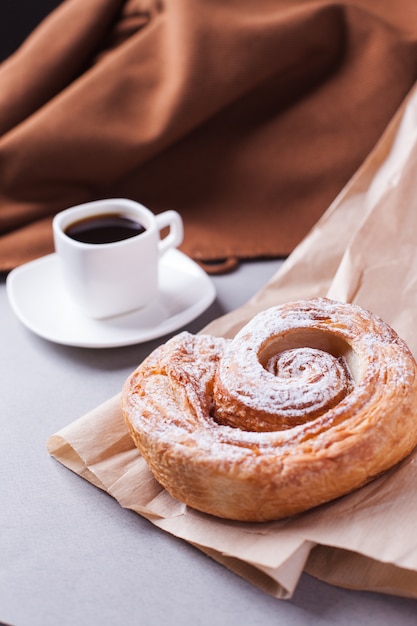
309	401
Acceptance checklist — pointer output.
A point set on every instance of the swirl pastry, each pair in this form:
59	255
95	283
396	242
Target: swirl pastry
309	401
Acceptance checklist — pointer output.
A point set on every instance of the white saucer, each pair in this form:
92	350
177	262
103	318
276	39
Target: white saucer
38	298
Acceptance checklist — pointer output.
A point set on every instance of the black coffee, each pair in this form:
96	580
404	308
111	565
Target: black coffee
105	228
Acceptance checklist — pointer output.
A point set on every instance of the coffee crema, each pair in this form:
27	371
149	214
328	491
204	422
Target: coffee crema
104	228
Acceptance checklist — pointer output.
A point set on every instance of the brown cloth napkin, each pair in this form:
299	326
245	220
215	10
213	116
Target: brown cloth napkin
363	250
247	117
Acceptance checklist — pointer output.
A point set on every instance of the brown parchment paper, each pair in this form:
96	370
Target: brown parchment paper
364	250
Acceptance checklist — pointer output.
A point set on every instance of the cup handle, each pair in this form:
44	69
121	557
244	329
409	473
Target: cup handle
176	230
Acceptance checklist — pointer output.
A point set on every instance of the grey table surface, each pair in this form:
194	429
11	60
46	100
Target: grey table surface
71	556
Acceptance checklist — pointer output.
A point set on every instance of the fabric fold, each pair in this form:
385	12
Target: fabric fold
248	119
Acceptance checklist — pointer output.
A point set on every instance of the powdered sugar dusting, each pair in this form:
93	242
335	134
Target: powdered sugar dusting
291	376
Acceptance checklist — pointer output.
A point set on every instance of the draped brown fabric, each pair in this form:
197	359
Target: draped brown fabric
246	116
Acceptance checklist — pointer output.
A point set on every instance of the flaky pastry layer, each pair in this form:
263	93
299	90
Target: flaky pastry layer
309	401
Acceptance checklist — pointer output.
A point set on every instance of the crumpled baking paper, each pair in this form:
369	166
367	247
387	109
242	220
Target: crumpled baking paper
363	250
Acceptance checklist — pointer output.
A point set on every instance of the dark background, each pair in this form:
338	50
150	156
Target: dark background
18	18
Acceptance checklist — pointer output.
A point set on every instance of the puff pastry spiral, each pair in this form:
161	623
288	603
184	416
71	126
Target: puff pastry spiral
309	401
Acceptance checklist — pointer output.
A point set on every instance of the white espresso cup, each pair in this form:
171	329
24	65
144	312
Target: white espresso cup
109	252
